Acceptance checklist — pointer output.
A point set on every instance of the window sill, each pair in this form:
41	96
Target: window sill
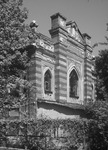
74	96
48	92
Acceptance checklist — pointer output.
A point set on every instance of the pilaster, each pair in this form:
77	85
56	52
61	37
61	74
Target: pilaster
59	35
87	70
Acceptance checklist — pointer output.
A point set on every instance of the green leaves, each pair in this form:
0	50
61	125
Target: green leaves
98	125
102	75
45	133
15	57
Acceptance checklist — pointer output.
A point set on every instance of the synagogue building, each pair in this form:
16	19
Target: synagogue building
62	71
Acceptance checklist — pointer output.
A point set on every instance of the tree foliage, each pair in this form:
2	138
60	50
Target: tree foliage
102	72
102	75
44	133
15	57
15	37
98	125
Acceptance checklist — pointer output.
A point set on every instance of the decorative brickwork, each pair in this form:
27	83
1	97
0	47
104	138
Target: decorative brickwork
66	52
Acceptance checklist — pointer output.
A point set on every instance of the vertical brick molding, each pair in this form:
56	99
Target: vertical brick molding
32	95
35	78
59	35
87	70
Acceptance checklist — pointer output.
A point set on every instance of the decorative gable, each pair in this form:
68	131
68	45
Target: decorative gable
74	31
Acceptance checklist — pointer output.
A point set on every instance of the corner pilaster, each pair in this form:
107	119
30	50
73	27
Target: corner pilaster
59	35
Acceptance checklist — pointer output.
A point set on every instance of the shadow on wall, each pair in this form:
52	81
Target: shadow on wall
59	109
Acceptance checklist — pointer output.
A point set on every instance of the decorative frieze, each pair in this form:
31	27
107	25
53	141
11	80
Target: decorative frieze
48	59
45	45
73	31
44	57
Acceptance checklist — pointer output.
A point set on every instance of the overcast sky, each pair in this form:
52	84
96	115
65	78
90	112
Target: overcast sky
91	16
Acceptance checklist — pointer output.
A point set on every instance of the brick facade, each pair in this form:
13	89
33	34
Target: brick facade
65	56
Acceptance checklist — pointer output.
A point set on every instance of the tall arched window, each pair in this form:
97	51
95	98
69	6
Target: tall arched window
47	82
92	91
73	84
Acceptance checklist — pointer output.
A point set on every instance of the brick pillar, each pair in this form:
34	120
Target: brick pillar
59	35
34	77
87	70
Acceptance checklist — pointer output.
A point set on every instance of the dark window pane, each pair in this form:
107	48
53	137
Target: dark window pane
47	81
73	83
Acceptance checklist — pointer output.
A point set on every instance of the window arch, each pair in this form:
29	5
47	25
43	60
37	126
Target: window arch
73	84
47	81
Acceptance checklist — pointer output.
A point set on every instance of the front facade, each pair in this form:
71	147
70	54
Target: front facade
62	70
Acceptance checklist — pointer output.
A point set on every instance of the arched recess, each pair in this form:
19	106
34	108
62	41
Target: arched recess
92	91
73	84
47	81
74	81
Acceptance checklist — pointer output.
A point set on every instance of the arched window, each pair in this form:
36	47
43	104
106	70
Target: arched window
47	82
92	91
73	84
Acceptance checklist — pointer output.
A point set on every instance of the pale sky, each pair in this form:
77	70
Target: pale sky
91	16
